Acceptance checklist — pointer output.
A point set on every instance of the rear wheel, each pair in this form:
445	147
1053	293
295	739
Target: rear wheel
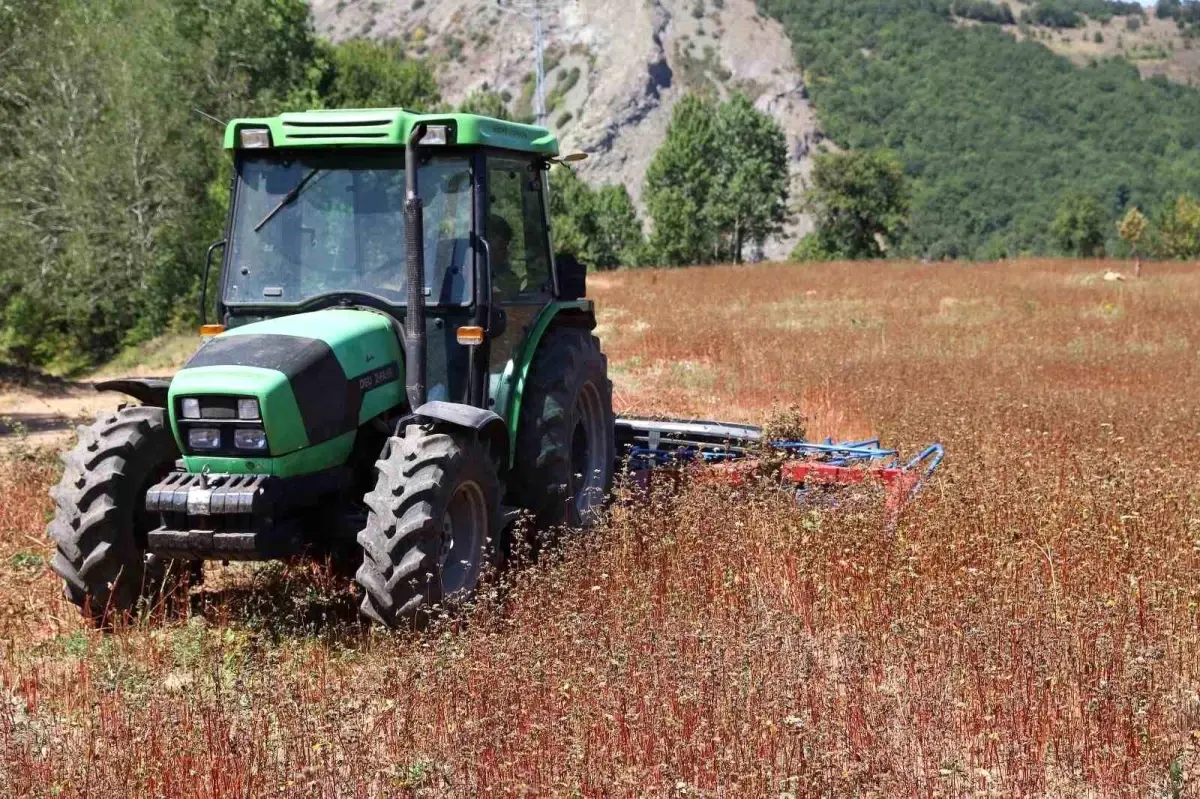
100	521
432	524
565	448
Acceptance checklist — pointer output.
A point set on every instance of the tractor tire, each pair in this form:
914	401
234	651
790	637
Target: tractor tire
565	446
100	522
431	528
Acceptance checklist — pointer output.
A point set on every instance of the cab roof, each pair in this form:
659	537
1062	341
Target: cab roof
390	127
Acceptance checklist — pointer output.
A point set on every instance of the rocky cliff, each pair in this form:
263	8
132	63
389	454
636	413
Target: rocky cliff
613	69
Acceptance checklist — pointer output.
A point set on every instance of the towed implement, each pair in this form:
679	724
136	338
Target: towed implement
400	366
734	451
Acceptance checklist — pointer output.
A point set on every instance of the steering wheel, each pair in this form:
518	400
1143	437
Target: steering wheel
349	298
397	268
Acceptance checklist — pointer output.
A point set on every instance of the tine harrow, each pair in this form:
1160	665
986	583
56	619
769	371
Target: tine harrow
733	450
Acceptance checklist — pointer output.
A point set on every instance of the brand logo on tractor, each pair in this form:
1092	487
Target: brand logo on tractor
378	377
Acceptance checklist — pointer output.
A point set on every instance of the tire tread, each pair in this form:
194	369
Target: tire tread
566	359
400	541
97	555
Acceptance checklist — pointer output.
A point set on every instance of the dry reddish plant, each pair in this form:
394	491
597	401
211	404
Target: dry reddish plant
1029	627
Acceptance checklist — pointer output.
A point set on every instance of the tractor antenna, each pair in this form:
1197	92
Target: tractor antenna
534	10
209	116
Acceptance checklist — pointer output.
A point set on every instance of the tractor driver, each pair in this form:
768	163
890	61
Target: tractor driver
505	281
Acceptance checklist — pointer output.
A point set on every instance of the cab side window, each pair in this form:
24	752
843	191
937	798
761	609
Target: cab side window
516	230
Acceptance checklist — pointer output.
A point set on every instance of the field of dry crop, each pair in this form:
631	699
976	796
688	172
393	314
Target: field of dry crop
1029	628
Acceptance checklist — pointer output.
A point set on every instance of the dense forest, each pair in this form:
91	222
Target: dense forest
111	181
995	135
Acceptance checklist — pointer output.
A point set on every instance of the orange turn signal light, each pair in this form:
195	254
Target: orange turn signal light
469	335
208	331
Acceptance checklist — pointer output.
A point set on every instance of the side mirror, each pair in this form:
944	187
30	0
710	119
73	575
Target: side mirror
572	277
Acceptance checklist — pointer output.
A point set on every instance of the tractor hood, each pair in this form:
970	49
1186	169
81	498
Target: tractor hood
315	376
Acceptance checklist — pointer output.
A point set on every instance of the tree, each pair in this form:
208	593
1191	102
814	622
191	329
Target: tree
618	230
1132	228
749	202
678	182
97	144
572	217
718	181
983	11
1166	9
1078	227
25	336
365	74
859	201
485	103
251	54
1054	14
1179	229
598	226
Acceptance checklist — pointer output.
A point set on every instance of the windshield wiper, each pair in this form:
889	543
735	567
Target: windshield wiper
288	198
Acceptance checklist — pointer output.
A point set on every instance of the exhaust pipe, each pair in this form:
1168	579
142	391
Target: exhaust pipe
414	317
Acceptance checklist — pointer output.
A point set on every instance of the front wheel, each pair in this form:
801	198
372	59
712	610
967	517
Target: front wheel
431	527
100	521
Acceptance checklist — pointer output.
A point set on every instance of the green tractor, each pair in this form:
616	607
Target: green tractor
402	366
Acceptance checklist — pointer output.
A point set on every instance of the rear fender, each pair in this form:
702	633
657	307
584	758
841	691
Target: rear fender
487	427
511	388
151	391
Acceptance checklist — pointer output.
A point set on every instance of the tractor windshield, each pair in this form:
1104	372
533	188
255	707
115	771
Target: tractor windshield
308	224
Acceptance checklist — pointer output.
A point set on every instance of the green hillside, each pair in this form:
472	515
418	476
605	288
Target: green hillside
996	133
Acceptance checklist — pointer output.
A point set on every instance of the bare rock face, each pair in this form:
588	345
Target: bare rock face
614	69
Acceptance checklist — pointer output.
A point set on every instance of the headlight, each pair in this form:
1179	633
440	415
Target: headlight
247	409
254	138
191	408
204	438
250	438
435	134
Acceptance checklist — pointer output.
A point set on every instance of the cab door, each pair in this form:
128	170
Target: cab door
519	242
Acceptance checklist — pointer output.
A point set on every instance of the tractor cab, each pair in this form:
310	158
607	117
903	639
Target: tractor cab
317	220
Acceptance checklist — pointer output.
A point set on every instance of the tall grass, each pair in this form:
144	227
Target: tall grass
1029	627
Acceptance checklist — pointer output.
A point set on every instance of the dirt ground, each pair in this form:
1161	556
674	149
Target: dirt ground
43	412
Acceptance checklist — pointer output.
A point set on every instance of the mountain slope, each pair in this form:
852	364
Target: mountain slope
615	69
996	133
996	129
1154	45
